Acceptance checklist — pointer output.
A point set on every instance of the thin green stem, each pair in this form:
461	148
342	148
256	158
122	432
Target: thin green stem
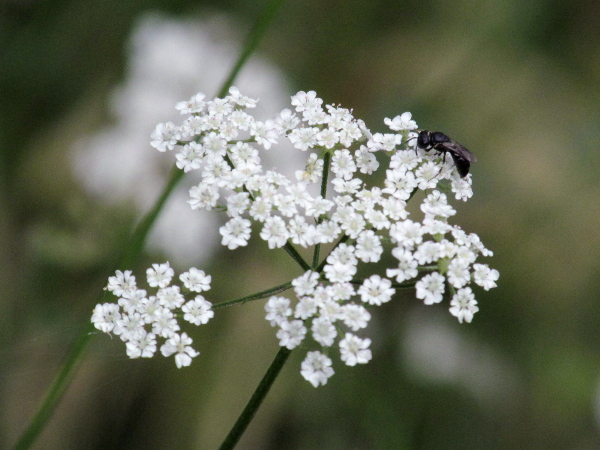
291	250
255	401
58	387
133	249
254	38
257	296
138	239
326	162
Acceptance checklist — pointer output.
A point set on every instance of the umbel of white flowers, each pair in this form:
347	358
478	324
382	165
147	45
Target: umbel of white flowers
360	220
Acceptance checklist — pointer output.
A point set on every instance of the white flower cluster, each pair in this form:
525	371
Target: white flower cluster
139	319
220	139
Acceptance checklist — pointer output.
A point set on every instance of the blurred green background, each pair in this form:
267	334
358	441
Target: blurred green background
518	83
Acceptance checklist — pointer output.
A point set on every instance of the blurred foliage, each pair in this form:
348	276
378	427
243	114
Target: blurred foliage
515	82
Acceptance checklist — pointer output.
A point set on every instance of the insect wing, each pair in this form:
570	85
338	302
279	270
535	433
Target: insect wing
454	148
460	155
462	164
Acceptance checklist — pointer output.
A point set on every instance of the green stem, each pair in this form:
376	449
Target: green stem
59	385
254	37
291	250
255	401
138	239
326	162
133	249
257	296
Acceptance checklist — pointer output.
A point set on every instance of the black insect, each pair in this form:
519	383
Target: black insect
436	140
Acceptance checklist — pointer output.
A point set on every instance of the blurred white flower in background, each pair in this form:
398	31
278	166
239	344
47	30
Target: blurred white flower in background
435	351
170	60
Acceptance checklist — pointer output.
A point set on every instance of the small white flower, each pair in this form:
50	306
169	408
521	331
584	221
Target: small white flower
105	316
204	196
316	368
261	208
323	331
339	273
190	157
151	309
376	290
344	254
278	309
122	284
400	183
236	233
407	265
462	187
354	316
304	138
219	108
159	275
196	280
214	145
341	291
264	133
406	233
236	97
164	323
328	138
129	326
195	104
197	311
427	176
165	136
436	205
386	142
366	161
401	122
287	121
318	206
133	302
291	334
170	297
180	344
238	204
352	225
430	288
306	100
484	276
328	307
305	308
368	246
306	283
458	273
394	209
355	350
428	252
342	164
144	345
315	116
463	305
275	232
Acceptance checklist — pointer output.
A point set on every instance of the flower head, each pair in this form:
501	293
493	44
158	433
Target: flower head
349	197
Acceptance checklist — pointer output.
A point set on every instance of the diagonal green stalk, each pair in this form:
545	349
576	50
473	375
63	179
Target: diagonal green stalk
255	401
291	250
132	251
257	296
326	163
